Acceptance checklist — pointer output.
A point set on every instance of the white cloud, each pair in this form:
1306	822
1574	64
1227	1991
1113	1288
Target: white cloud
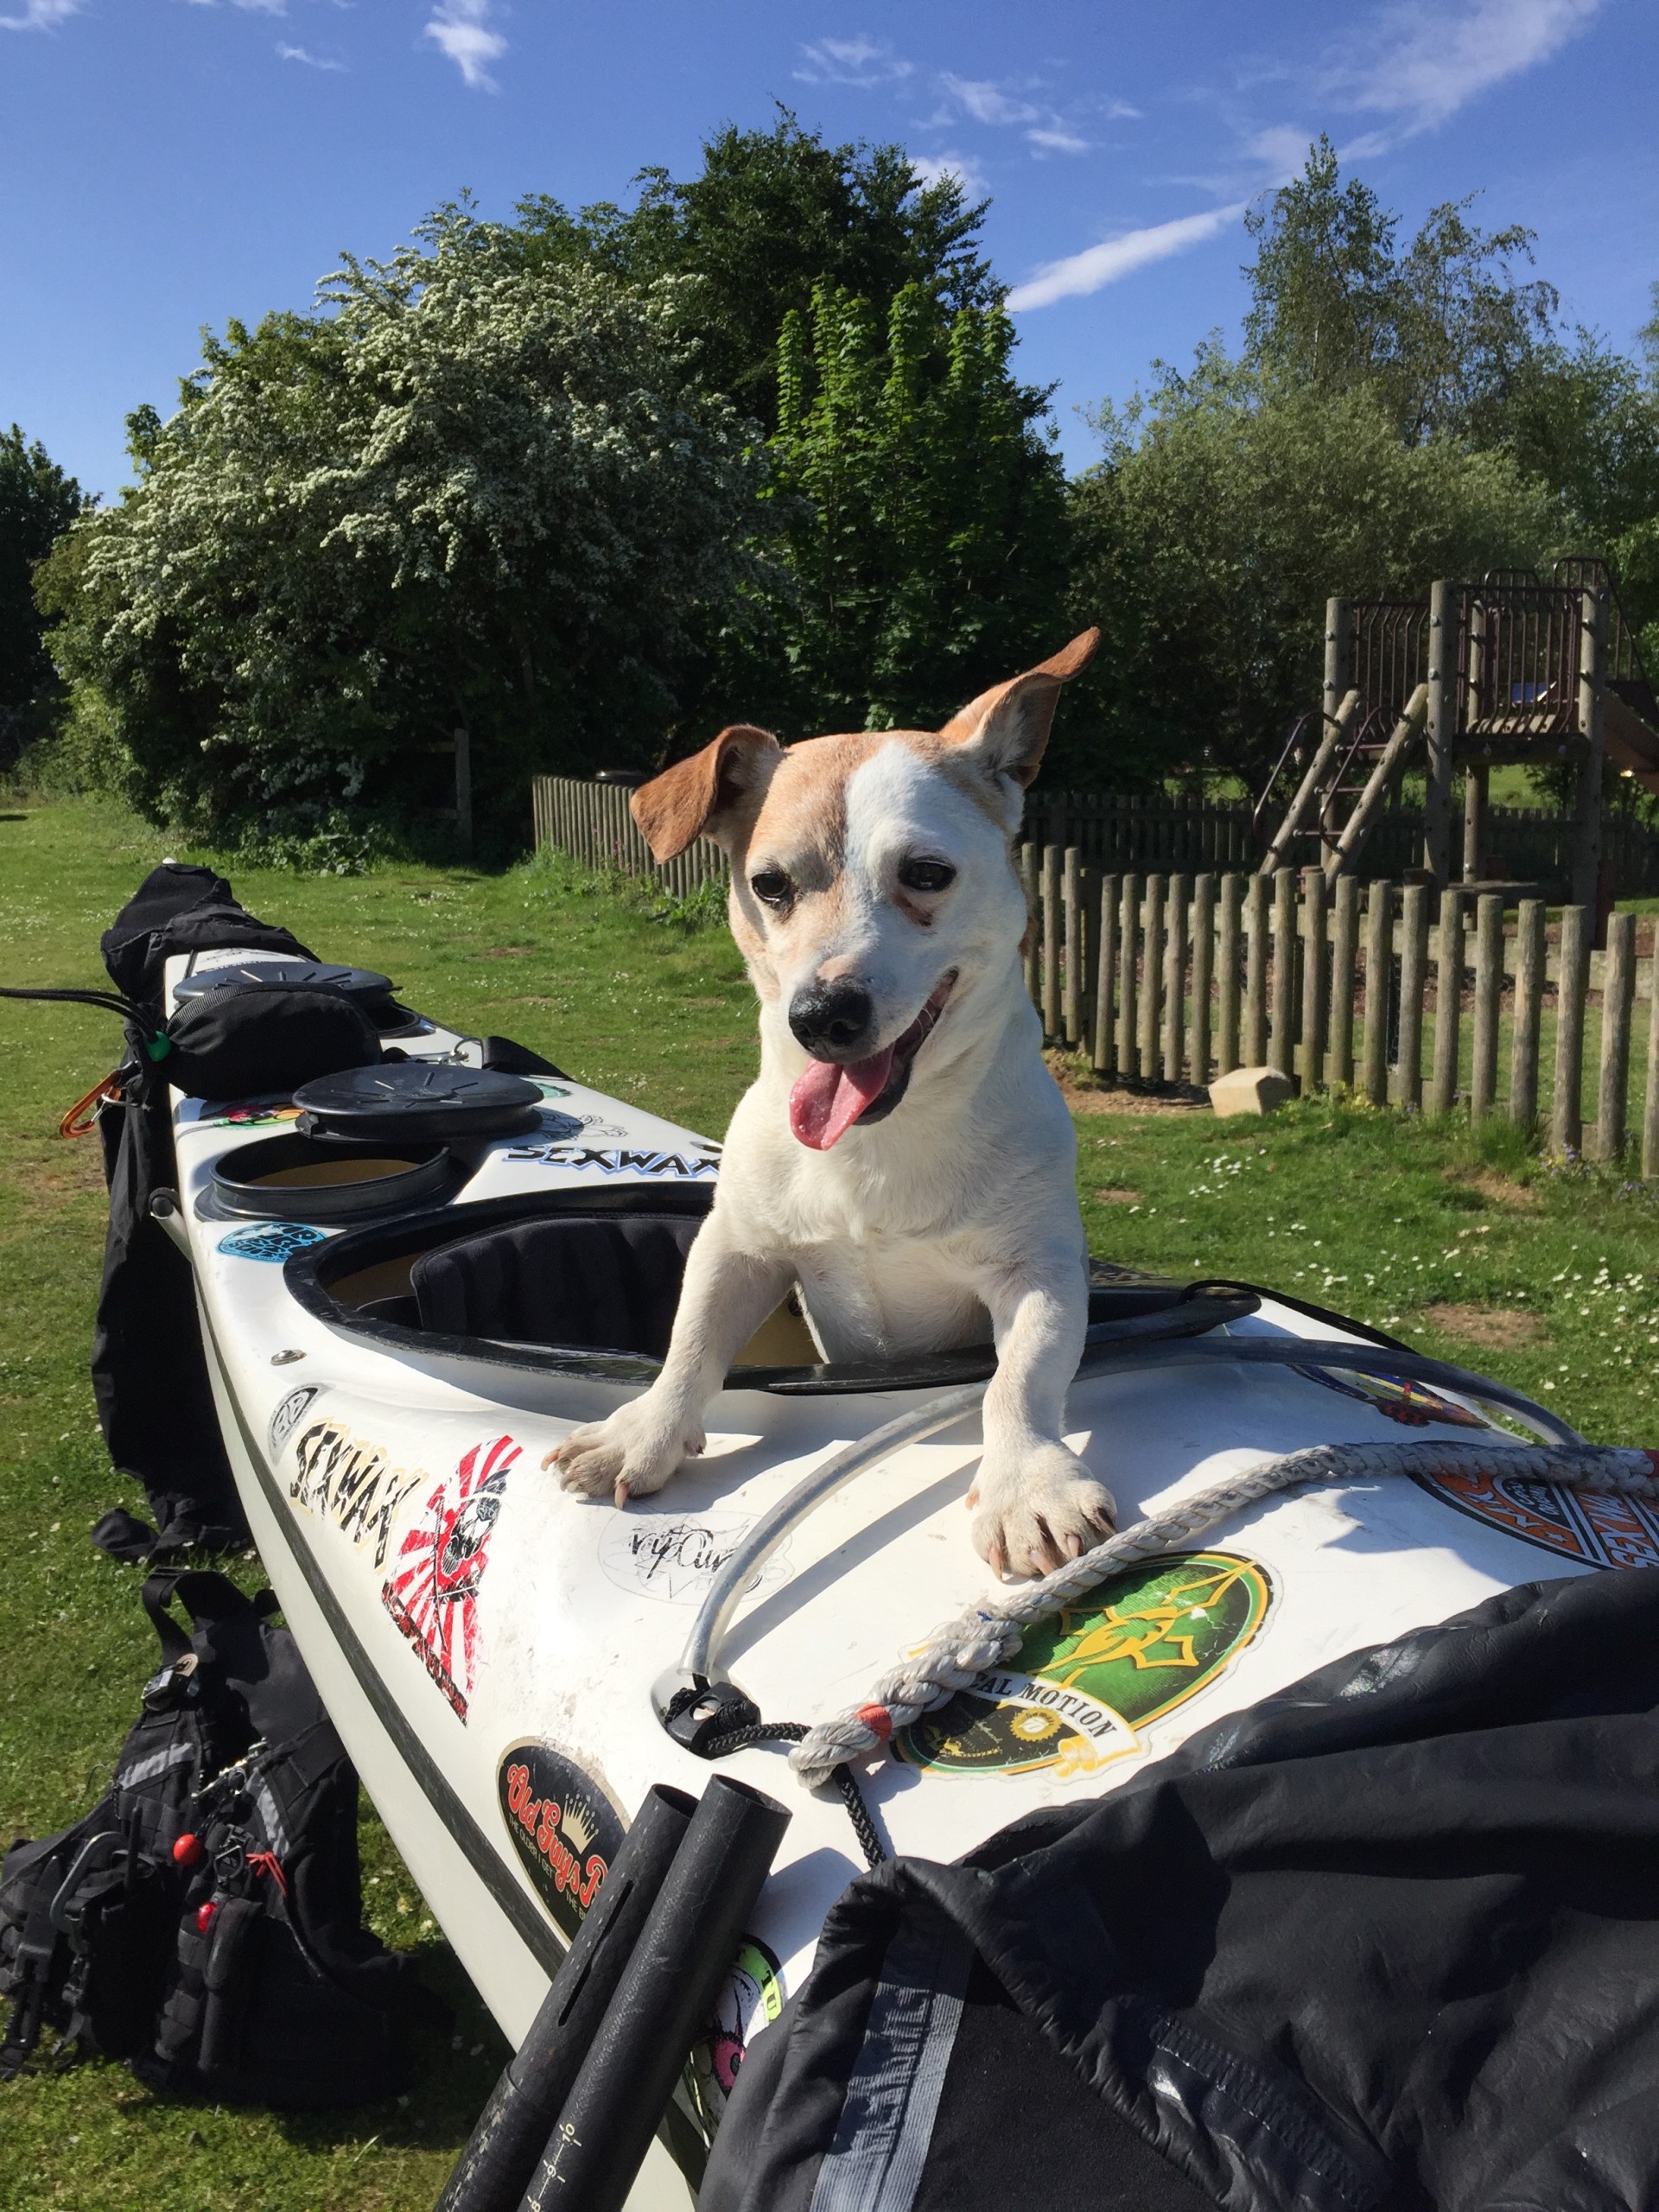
1428	64
1099	265
1121	111
1280	150
311	60
933	168
851	62
1057	140
460	29
988	103
41	15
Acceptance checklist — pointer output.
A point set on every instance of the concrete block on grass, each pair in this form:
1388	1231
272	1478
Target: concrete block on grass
1250	1090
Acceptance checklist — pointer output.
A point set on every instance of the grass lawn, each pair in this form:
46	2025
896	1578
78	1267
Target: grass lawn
1547	1277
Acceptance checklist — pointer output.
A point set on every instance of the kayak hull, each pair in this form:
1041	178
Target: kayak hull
488	1644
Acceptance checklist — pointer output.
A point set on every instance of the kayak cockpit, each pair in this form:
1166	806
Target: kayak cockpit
587	1283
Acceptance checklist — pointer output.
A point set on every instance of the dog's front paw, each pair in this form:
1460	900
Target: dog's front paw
1036	1515
630	1455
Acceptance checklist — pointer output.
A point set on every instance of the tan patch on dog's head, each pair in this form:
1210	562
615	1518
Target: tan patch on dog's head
773	810
805	807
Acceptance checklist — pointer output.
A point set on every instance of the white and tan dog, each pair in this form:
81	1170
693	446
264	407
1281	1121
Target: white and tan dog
904	1156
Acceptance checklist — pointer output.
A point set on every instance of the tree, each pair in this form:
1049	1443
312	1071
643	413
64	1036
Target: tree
1441	331
921	512
38	502
1228	507
468	491
772	214
1397	414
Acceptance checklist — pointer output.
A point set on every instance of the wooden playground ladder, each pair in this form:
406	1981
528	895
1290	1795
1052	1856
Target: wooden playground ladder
1512	668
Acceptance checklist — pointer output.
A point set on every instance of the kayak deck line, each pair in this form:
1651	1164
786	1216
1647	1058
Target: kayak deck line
955	1658
699	1664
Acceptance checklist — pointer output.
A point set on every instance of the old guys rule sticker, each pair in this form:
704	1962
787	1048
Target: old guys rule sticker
563	1826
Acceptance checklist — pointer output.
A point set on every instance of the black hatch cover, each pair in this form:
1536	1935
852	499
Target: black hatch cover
408	1098
303	975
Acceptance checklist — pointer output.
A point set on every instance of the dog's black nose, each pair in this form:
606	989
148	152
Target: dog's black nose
832	1020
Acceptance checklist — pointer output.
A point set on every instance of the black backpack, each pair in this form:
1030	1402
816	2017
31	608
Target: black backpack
204	1921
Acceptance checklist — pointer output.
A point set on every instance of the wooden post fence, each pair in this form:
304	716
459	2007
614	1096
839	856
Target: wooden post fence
1172	980
1174	973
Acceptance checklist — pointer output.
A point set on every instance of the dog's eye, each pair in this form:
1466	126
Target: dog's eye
926	875
772	886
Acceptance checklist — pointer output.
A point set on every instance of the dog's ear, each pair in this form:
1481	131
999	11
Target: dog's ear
696	798
1006	729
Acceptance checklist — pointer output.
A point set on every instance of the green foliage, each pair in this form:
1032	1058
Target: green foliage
37	502
1229	507
472	491
772	214
1397	413
1441	331
921	512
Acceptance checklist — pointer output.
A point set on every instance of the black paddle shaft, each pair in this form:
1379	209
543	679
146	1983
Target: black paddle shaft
505	2147
665	2003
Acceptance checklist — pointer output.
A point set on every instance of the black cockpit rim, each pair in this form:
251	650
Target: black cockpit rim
1148	1306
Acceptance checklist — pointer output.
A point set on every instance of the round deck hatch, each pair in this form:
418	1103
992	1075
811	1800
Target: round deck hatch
410	1099
360	983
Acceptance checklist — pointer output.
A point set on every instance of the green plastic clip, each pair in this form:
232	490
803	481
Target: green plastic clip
157	1047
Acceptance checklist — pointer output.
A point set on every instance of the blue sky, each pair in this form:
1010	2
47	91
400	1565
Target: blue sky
168	163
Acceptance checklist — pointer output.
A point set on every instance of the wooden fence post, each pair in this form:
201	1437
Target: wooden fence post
1281	1047
1313	987
1051	878
1448	1002
1255	974
1227	974
1105	1039
1379	974
1650	1110
1489	995
1529	977
1618	993
1128	948
1071	912
1413	981
1088	893
1175	983
1204	955
1345	954
1587	809
1444	614
1151	980
1033	924
1572	988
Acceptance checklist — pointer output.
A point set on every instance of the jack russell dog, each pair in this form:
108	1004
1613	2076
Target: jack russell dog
904	1158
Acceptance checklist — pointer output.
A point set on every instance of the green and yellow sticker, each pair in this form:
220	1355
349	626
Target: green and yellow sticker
1088	1679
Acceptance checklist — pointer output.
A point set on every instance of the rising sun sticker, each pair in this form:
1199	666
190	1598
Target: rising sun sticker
432	1593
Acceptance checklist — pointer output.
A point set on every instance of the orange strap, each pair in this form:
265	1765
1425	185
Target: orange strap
82	1118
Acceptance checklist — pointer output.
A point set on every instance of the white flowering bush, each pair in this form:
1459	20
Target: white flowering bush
468	490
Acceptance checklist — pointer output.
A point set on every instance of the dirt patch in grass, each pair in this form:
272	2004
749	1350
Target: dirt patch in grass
1495	1328
1496	1187
1090	1099
1118	1198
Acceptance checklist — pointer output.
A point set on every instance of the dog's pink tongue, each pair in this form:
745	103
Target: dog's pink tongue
828	1098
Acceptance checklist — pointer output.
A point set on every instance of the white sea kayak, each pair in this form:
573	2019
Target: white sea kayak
399	1329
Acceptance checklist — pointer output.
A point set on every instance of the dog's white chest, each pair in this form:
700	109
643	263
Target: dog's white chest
884	1297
